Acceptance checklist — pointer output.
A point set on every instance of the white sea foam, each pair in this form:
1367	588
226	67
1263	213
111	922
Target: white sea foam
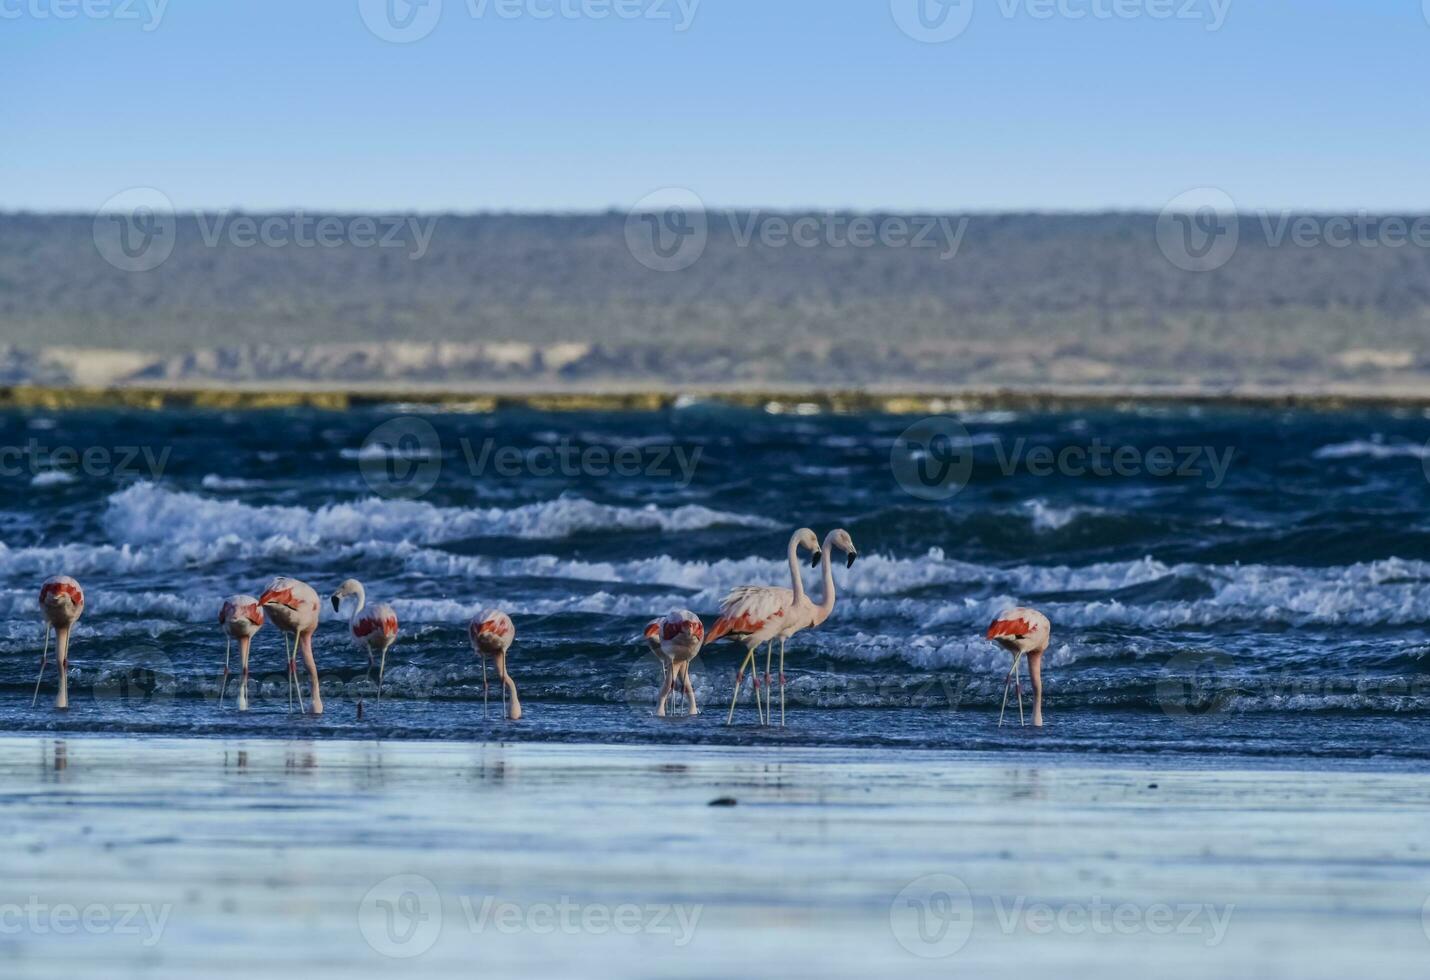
1373	448
146	514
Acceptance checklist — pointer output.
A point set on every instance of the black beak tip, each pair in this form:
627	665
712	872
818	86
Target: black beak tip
849	561
336	604
815	558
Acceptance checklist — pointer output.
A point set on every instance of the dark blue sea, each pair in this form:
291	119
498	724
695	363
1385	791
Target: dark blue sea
1238	584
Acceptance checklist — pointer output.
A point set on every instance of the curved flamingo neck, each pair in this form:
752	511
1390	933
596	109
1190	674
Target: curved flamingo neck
826	604
361	600
796	583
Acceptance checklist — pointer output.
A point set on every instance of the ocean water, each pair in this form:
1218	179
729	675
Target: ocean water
1220	583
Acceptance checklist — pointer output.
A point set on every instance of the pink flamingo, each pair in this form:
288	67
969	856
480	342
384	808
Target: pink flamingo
803	613
293	606
240	617
676	639
374	627
61	602
753	614
491	634
1023	633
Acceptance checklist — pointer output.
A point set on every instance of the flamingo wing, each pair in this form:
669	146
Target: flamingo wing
749	609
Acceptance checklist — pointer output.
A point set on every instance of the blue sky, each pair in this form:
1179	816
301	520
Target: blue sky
773	103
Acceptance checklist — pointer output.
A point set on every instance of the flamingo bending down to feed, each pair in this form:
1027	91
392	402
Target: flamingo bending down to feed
293	606
1023	633
374	627
675	639
491	634
240	617
61	602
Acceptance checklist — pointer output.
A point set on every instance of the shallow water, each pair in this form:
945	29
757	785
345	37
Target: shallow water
1266	599
220	857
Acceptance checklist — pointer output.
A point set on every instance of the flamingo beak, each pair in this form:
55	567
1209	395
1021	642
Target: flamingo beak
337	602
849	560
814	559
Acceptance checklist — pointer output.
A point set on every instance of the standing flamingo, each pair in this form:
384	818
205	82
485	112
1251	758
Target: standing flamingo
1023	633
61	602
293	606
803	613
491	634
374	627
240	617
754	615
677	637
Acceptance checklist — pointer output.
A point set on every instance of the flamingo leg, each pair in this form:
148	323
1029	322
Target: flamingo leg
44	659
485	688
782	682
667	685
692	708
293	674
243	646
289	658
1006	681
227	649
769	691
382	668
1018	686
739	682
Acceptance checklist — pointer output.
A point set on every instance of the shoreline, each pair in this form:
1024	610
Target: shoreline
789	399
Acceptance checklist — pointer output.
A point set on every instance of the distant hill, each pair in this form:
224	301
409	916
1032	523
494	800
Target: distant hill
1028	299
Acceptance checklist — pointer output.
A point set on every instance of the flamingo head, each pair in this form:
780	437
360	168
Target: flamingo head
350	588
806	539
839	538
61	593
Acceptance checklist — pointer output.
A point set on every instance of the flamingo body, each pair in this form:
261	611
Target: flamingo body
241	616
1023	632
61	603
491	634
675	639
294	608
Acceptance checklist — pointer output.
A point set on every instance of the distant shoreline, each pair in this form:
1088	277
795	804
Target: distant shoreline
872	399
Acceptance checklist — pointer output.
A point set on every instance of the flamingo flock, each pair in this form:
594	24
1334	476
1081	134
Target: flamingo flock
751	615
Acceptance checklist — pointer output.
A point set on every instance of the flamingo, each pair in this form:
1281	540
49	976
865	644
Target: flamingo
1023	633
676	640
374	627
491	634
652	639
61	602
803	613
754	614
293	607
241	616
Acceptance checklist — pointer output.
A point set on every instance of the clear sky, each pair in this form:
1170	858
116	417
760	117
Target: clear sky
774	103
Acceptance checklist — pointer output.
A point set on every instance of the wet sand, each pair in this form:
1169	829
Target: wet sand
137	857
